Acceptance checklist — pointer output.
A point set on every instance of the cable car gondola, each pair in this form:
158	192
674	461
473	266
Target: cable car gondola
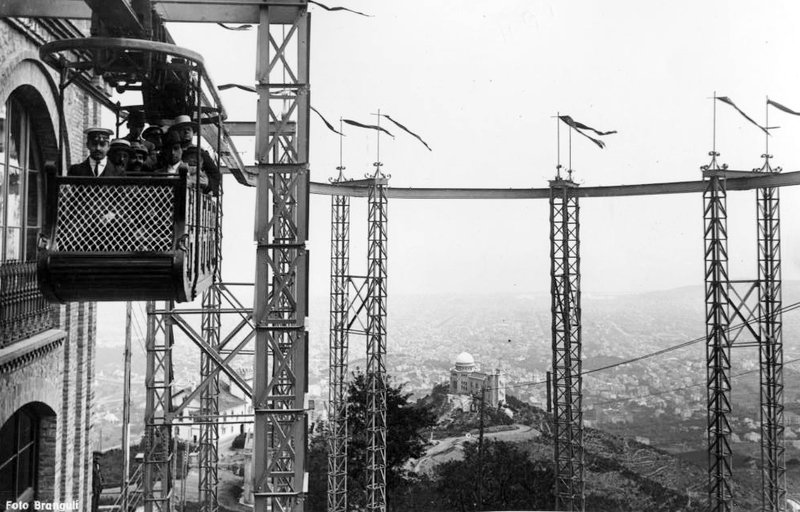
144	237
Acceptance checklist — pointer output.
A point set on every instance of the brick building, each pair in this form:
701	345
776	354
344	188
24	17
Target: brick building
46	351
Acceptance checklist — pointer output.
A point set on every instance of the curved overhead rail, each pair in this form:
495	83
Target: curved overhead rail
52	54
736	180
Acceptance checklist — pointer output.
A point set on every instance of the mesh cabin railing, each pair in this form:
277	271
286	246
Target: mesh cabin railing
23	309
118	215
142	237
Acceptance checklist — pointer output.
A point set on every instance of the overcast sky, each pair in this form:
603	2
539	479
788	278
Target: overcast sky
481	82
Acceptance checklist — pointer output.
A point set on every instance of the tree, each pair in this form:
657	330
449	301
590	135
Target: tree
406	424
511	480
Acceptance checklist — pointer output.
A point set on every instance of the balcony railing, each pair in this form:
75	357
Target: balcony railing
23	309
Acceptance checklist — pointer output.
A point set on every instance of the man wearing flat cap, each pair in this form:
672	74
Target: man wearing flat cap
183	126
137	161
97	164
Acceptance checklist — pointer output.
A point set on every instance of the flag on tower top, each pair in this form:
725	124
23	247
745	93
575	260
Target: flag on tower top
725	99
577	126
781	107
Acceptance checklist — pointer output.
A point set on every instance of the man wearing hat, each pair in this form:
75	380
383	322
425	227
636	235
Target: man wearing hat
154	134
137	160
97	142
172	162
118	156
192	155
135	126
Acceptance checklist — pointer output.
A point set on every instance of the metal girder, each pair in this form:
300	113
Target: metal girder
337	390
743	181
376	344
159	452
221	364
211	330
566	342
208	11
281	294
717	343
117	16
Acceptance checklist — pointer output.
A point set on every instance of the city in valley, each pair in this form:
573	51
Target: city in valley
659	400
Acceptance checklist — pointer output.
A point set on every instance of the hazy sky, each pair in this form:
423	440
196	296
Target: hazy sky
480	82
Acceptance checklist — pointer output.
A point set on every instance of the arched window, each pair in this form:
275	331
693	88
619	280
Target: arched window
19	440
20	180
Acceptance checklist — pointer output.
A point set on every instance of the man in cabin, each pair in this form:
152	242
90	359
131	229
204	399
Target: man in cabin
192	154
137	158
172	160
153	134
118	157
97	142
135	126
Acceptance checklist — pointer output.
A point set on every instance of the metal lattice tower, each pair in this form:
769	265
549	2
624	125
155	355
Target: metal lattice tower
337	391
565	295
158	453
210	326
376	344
718	346
773	464
281	293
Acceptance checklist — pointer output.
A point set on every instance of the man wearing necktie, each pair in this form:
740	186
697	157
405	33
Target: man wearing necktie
97	141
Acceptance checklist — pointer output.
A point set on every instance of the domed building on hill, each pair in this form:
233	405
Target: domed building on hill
466	378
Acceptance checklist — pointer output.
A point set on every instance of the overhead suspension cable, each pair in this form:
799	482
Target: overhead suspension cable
786	309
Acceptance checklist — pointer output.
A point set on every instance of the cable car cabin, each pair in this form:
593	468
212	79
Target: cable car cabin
133	237
147	237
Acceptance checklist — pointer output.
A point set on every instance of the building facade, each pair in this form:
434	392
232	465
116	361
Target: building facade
46	350
466	378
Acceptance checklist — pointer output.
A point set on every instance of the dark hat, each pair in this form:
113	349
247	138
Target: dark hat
152	130
171	138
138	147
136	116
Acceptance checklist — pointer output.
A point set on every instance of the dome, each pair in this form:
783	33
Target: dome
465	362
465	359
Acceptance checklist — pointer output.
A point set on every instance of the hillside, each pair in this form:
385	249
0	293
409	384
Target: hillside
621	474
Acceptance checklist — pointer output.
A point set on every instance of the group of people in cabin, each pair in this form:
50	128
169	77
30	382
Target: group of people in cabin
160	149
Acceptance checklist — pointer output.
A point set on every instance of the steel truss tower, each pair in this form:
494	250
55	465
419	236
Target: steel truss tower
281	294
762	322
210	327
565	293
158	452
337	391
718	345
773	464
376	343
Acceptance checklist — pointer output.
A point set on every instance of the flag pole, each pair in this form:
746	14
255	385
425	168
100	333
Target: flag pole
378	163
714	124
558	145
341	165
569	171
766	124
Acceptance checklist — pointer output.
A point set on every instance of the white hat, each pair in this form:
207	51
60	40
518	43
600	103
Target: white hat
181	120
